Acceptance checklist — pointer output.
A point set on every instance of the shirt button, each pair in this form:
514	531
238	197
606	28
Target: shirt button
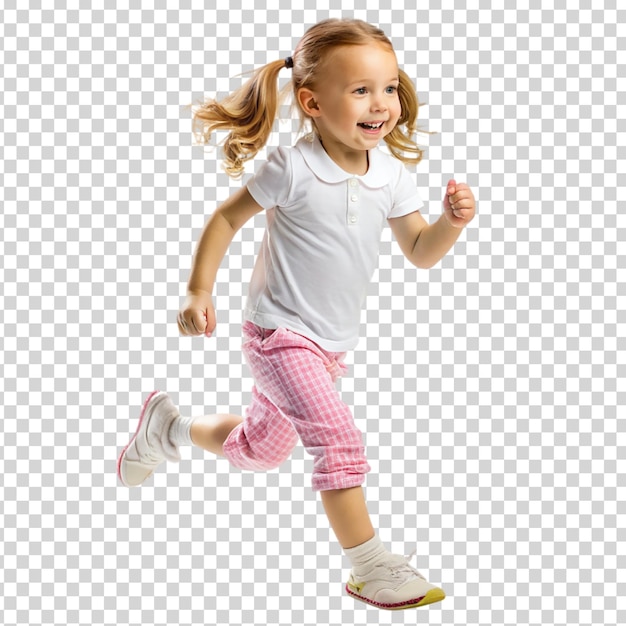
353	182
353	219
354	197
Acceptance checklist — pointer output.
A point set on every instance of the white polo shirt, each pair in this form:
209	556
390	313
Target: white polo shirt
322	240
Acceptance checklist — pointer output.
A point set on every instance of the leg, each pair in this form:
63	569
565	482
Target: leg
261	442
211	431
296	376
153	442
348	516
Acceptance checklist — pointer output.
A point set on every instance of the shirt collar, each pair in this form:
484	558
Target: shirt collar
378	174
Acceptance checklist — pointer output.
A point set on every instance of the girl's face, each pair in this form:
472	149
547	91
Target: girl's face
356	100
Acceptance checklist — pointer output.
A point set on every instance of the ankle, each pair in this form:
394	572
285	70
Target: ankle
180	431
365	556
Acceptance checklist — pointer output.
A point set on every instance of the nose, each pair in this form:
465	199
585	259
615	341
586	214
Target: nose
378	104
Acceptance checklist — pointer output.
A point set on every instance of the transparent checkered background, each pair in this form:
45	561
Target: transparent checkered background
489	388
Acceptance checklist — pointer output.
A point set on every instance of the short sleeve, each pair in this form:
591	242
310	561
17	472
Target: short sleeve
271	185
406	197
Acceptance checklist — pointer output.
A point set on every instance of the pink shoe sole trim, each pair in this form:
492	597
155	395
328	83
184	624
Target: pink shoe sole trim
408	604
130	443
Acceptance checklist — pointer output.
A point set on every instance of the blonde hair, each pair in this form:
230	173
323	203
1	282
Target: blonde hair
249	112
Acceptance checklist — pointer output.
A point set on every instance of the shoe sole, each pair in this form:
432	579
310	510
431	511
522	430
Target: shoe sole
130	443
434	595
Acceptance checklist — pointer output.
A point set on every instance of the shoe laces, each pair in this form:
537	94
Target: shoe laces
400	569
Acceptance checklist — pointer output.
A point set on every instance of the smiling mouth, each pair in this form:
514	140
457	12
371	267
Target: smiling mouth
371	126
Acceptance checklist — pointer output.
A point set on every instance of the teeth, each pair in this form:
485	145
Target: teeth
372	126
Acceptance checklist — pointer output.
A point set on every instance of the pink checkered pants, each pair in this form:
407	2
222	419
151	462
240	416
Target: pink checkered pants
294	396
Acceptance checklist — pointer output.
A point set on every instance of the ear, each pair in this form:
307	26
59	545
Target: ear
307	102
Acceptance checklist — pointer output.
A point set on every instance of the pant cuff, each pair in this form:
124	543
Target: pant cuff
329	482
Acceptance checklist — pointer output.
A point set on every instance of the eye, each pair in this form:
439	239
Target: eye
360	91
391	89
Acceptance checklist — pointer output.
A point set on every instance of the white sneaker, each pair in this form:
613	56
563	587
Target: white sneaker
394	585
150	445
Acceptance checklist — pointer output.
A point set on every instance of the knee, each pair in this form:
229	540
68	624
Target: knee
259	453
223	430
272	456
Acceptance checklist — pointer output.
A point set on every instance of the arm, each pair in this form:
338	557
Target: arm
425	245
197	315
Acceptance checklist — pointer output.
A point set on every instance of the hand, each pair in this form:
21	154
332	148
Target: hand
458	204
197	315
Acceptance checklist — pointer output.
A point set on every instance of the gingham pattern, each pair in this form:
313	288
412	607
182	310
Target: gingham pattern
489	388
294	393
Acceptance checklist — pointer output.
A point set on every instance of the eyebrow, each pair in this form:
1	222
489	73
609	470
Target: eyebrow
366	80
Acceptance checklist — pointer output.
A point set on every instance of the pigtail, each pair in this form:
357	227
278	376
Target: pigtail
248	113
399	141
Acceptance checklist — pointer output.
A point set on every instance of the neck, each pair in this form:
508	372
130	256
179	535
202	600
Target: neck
352	161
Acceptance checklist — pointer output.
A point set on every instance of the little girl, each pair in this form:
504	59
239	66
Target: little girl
327	200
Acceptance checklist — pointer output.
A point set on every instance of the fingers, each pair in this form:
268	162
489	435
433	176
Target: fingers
463	203
459	204
461	213
458	193
192	322
183	327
